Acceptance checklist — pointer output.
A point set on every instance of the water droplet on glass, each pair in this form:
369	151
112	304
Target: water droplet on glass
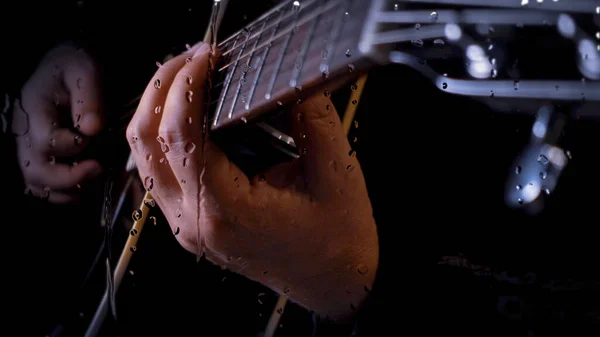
148	157
349	168
353	87
296	6
190	147
350	67
362	269
354	102
79	85
518	170
543	160
52	160
279	103
547	191
133	232
150	203
516	85
433	17
333	165
185	162
444	85
326	93
157	83
77	140
188	96
26	163
300	117
438	42
355	140
136	215
519	187
260	295
417	42
244	120
520	201
417	26
568	153
163	161
188	60
149	183
189	80
348	53
46	193
164	147
153	220
543	174
158	109
133	249
158	64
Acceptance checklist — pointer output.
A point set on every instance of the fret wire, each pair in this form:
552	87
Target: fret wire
302	21
262	62
282	53
260	18
245	72
283	33
228	79
304	49
226	89
287	16
332	39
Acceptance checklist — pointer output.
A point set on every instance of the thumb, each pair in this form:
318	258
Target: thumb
324	148
82	82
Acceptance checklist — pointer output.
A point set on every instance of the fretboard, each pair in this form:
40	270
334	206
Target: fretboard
288	53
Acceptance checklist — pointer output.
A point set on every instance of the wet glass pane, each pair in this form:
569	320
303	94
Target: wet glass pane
301	168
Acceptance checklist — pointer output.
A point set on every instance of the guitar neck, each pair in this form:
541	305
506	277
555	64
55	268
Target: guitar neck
289	53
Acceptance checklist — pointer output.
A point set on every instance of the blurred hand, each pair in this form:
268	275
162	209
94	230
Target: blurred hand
303	228
60	107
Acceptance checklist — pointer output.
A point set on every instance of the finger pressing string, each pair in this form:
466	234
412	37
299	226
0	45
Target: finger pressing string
324	148
181	124
148	148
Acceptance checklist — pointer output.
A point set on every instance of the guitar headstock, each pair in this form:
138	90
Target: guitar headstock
511	54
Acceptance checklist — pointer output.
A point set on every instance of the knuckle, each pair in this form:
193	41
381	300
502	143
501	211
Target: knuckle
172	132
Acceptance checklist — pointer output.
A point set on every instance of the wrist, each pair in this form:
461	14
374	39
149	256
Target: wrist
340	286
